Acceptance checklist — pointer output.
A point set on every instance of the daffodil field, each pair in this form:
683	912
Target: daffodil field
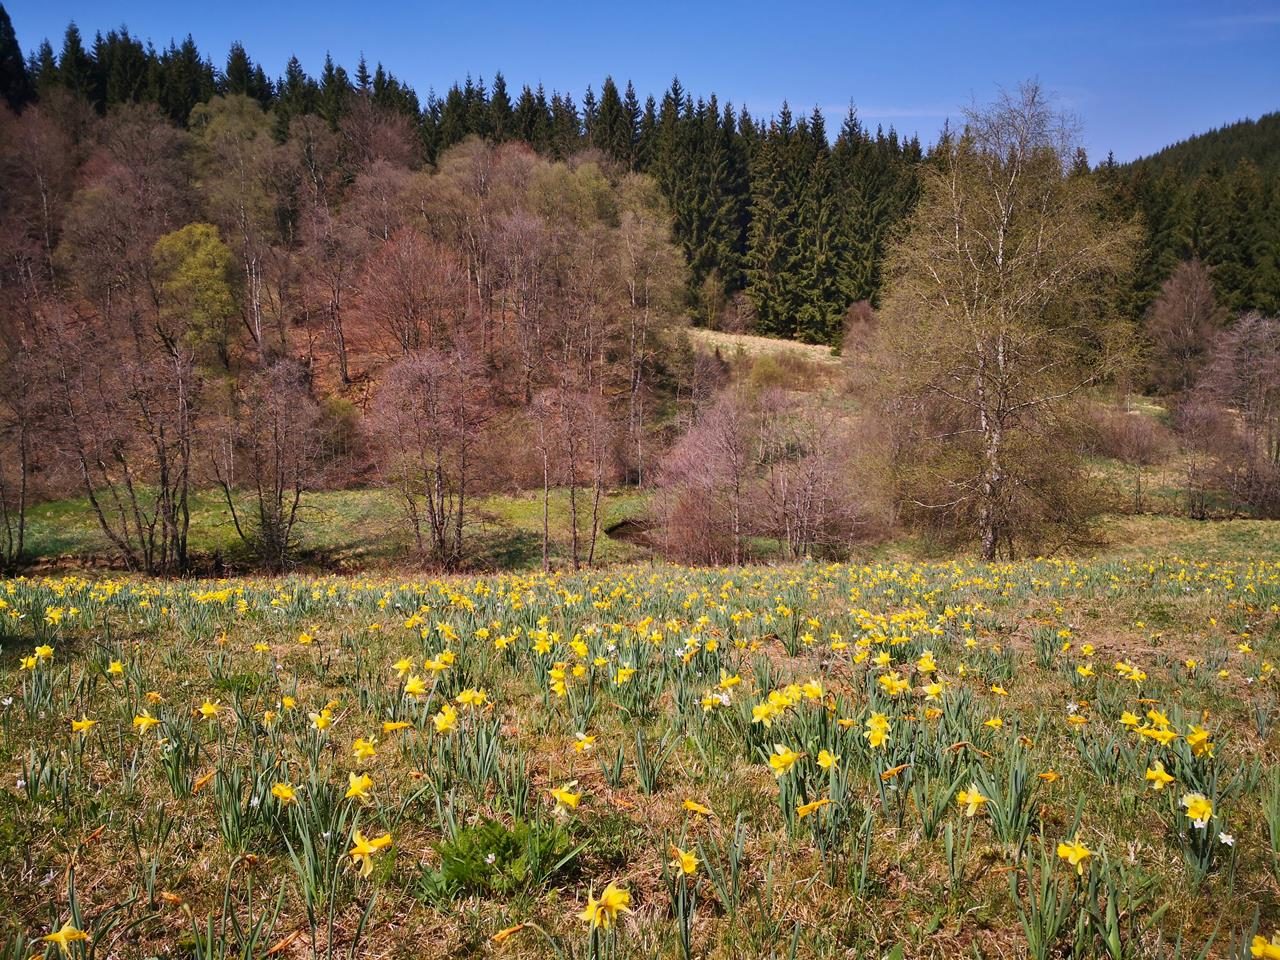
1044	759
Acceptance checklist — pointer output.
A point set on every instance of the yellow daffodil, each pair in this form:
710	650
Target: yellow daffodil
284	792
565	798
358	786
66	936
686	861
782	759
603	913
972	800
1156	776
1075	853
363	849
812	807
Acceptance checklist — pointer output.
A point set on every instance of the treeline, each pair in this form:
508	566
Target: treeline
782	230
1213	198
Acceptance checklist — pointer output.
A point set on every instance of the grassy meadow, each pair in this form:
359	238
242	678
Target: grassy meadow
889	758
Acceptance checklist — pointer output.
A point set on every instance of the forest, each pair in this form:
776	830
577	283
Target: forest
220	284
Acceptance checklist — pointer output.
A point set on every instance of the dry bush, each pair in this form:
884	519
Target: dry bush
798	471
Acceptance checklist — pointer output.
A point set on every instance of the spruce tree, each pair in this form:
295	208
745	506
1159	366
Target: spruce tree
75	68
15	83
501	119
335	92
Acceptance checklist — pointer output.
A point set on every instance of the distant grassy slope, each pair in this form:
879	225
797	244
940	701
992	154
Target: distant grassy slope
731	344
354	528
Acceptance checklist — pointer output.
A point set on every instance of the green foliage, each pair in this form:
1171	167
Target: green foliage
493	859
194	269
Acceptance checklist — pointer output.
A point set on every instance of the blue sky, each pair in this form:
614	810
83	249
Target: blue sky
1138	75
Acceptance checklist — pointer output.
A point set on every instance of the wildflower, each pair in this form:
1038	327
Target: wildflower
805	809
115	668
321	720
446	720
364	848
284	793
208	710
392	726
358	786
1199	809
144	721
1084	670
1162	735
1049	776
828	760
693	806
473	697
877	731
894	684
584	743
44	652
1075	853
1199	742
1226	839
604	912
415	686
782	759
1157	777
565	798
1129	719
686	861
995	723
364	749
972	800
83	725
1267	949
68	935
998	690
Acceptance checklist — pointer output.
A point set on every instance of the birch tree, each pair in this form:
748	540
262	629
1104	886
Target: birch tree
997	317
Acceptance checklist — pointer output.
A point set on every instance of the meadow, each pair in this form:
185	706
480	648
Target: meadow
887	758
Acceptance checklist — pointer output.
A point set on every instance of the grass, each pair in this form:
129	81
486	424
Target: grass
354	529
171	842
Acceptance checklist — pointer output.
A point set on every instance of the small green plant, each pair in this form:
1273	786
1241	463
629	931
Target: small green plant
493	859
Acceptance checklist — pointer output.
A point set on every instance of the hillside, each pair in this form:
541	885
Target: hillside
1257	141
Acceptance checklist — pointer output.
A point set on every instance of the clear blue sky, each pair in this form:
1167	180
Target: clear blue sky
1139	75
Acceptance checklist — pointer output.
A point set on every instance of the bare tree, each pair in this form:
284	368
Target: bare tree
1181	325
271	445
413	288
1243	377
430	417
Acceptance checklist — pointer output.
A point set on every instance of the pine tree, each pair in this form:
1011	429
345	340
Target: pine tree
42	69
75	68
610	129
15	82
364	81
295	96
335	92
124	66
501	119
454	117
